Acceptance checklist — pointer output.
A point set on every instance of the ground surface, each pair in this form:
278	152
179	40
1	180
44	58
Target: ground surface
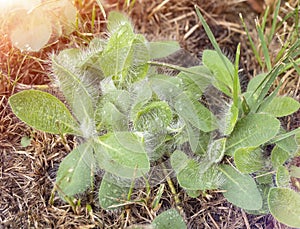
27	174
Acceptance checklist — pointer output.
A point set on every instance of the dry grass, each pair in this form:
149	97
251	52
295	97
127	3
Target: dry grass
27	174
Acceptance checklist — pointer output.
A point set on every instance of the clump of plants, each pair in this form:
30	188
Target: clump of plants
131	120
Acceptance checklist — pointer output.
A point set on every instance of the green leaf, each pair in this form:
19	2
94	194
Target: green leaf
192	175
253	89
229	119
252	131
289	145
189	109
224	77
125	57
140	94
215	151
193	193
169	219
116	21
154	117
112	118
241	189
44	112
113	191
284	206
264	191
282	177
195	80
25	141
80	88
279	156
295	171
179	160
248	160
75	173
255	82
121	154
160	49
281	106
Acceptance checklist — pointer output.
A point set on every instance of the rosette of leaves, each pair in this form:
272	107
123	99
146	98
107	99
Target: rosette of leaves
129	117
112	107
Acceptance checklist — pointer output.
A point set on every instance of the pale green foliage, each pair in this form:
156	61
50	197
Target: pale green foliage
241	189
43	112
153	117
281	106
130	118
252	131
223	73
284	205
169	219
76	171
248	160
122	154
113	191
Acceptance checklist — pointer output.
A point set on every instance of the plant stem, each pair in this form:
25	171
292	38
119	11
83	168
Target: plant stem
172	188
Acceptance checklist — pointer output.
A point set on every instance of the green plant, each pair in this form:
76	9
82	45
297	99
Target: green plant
128	118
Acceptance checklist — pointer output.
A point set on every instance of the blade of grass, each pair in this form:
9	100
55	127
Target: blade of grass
297	19
236	81
264	20
101	8
211	37
281	51
93	18
274	22
286	135
269	99
265	86
253	47
264	46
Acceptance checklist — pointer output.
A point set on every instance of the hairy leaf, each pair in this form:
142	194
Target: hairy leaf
295	171
282	177
241	189
169	219
80	88
154	117
281	106
160	49
75	173
121	154
44	112
113	191
189	109
116	21
112	118
125	57
195	80
215	151
279	157
289	145
252	131
284	206
192	175
140	94
248	160
229	120
224	78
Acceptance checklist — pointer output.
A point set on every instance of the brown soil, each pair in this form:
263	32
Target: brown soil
27	174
